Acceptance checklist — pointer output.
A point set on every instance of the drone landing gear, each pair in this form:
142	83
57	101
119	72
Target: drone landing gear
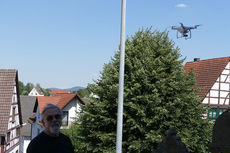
185	35
190	35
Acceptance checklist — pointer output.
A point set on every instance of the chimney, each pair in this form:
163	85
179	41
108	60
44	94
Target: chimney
196	59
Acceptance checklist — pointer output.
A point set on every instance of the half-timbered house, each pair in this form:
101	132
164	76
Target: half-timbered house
10	112
213	80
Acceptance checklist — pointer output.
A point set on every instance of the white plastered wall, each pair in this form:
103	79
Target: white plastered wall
73	108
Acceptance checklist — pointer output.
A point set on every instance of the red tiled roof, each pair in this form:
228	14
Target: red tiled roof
8	79
207	72
53	92
59	99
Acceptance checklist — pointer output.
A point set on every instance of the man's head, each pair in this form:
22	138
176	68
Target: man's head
51	119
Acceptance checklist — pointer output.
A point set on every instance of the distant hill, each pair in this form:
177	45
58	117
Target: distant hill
70	89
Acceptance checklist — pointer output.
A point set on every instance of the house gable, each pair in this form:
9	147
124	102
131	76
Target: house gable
219	92
218	96
10	110
71	110
213	79
207	72
59	99
36	92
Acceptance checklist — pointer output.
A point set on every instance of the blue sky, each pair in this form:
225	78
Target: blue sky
65	43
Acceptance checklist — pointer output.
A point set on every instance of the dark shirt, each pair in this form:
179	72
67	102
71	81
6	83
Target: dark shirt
46	144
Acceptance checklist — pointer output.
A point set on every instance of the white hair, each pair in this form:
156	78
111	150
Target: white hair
50	106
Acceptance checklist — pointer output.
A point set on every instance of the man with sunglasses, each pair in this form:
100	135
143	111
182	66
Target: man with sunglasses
51	140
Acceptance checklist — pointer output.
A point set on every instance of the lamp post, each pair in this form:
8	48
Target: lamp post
121	81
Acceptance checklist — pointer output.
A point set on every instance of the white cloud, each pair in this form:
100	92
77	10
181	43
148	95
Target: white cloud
181	5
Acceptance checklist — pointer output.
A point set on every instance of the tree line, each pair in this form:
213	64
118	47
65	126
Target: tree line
24	89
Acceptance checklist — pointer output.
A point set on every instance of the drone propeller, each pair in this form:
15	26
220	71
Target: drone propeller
197	25
173	27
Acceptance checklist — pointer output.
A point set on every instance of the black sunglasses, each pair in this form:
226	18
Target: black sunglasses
51	117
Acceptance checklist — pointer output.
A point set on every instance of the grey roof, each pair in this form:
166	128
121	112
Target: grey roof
8	79
27	106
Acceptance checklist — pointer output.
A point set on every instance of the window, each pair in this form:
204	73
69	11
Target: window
65	118
8	136
213	113
221	110
18	132
13	114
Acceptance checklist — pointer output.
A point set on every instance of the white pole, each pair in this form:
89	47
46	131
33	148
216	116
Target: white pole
121	81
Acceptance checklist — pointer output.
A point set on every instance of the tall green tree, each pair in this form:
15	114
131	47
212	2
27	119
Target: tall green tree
46	92
83	93
158	95
27	88
21	87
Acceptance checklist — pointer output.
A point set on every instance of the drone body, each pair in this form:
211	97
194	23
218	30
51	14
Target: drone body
184	31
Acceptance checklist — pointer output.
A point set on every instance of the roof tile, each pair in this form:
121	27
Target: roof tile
53	92
59	99
7	82
207	72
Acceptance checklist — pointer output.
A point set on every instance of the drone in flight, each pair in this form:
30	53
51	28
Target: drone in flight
184	31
